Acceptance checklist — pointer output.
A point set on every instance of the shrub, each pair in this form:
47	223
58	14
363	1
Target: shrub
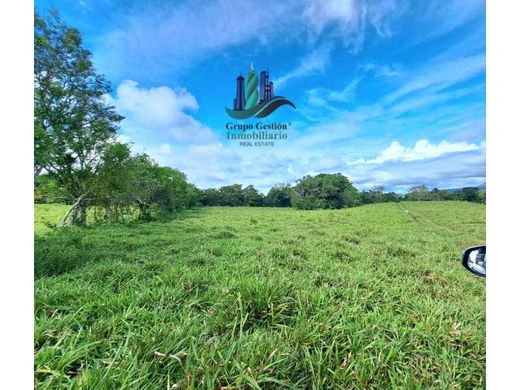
324	191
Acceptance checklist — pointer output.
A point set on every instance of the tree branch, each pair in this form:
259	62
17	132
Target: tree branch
78	201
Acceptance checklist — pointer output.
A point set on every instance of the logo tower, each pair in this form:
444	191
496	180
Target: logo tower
248	102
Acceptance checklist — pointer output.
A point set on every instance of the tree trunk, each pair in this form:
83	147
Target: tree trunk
144	210
79	216
37	171
107	213
79	213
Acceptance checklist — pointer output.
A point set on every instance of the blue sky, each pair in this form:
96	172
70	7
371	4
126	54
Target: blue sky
387	92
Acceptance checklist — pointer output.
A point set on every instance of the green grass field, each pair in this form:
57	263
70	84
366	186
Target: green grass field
372	297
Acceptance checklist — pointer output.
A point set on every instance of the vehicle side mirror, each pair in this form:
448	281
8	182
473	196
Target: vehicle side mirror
474	259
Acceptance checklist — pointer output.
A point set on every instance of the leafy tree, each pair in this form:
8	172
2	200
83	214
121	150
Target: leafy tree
252	197
191	197
174	192
231	195
73	124
376	192
390	197
115	188
365	198
373	195
324	191
437	194
125	180
279	196
420	192
210	197
48	190
470	194
482	196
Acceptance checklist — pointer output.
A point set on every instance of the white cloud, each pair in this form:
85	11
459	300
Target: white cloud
449	170
415	102
164	149
397	167
165	39
423	149
443	165
350	18
346	13
446	16
160	111
434	83
381	13
387	70
207	165
322	96
314	62
440	75
153	41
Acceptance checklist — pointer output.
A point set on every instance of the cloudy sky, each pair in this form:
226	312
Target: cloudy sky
388	92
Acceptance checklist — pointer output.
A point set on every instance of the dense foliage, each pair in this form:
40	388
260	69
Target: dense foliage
376	194
324	191
136	180
327	191
279	196
73	124
125	180
468	194
76	157
48	190
232	195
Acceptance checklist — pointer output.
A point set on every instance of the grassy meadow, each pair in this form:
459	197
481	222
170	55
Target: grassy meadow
372	297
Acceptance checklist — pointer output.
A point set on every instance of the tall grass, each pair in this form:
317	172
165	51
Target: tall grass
366	298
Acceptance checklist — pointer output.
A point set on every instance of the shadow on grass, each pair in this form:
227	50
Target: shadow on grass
168	216
65	249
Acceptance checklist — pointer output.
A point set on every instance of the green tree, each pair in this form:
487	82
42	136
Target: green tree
252	197
376	193
48	190
419	192
73	123
125	181
231	195
279	196
112	189
324	191
174	192
390	197
482	196
437	194
373	195
470	194
210	197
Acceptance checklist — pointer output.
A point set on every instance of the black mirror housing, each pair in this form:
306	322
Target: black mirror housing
474	259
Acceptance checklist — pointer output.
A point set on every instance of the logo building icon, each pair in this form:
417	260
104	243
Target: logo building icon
248	102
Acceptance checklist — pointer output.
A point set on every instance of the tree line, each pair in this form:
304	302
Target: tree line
79	161
127	180
328	191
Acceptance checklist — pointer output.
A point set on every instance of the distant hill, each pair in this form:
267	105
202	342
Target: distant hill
480	187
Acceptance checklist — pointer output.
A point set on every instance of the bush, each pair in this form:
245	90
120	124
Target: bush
324	191
279	196
48	190
233	195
